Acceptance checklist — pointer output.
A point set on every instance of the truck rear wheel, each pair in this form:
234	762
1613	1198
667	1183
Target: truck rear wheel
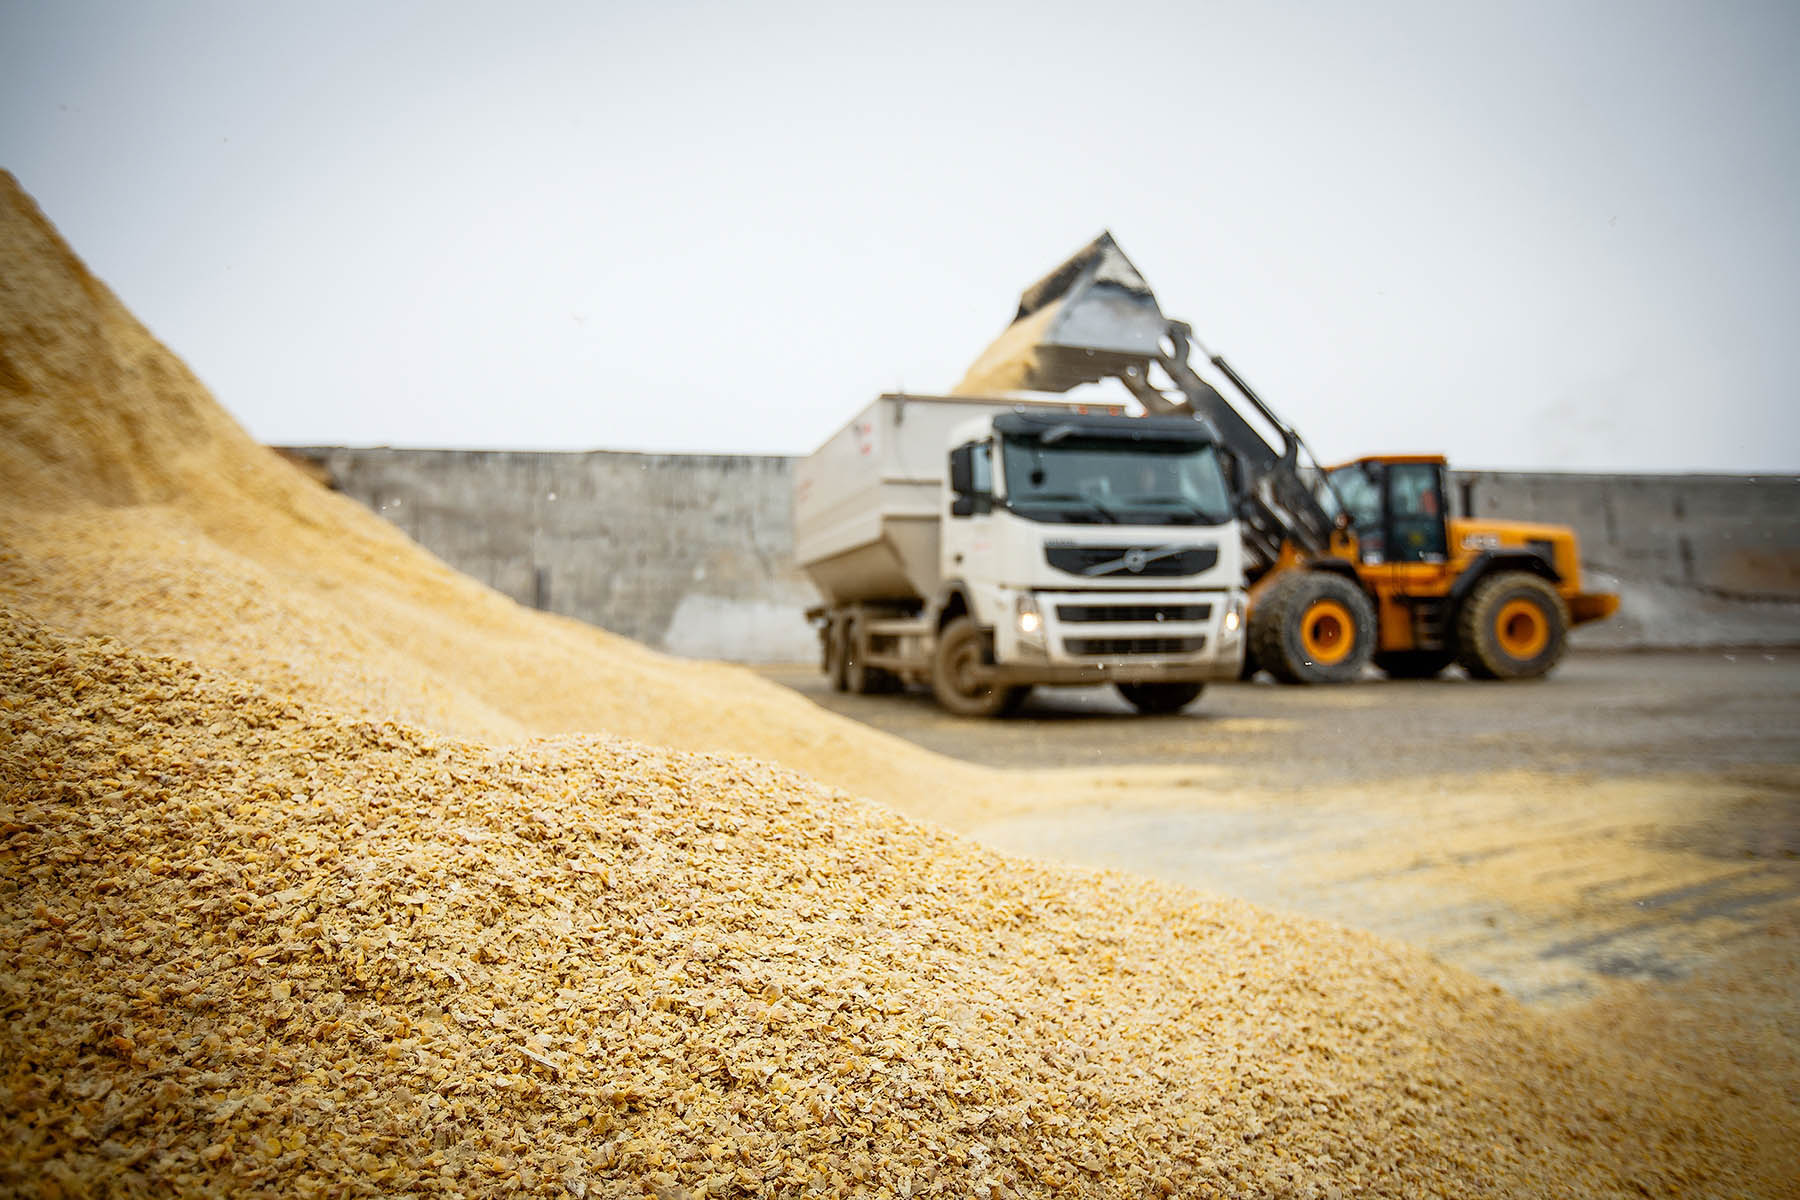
1313	627
1154	699
961	651
835	657
859	677
1513	626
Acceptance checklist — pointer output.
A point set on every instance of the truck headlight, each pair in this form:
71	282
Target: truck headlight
1232	626
1027	617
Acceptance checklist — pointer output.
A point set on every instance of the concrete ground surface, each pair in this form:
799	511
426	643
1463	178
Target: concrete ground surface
1634	817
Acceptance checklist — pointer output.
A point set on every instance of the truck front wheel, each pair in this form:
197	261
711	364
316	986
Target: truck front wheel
960	654
1154	699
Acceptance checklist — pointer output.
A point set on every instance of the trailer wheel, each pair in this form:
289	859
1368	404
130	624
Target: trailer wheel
835	657
1313	627
960	651
1155	699
1413	664
859	676
1514	625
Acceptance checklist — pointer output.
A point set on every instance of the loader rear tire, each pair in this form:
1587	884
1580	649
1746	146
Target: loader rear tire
1156	699
1313	627
1413	664
960	649
1514	625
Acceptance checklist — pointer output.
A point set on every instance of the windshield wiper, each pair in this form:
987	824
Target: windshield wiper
1200	514
1060	497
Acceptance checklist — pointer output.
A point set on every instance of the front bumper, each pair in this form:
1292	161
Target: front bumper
1088	637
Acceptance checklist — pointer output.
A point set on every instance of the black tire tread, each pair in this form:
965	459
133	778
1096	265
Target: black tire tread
1158	699
1413	664
996	702
1274	629
1481	656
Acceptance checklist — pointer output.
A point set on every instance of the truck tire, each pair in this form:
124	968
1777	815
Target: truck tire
1154	699
960	647
859	677
1514	625
835	657
1313	627
1413	664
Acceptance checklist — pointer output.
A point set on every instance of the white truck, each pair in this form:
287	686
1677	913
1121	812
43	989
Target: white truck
986	545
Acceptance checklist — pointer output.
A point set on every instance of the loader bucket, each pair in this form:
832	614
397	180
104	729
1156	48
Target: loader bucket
1092	318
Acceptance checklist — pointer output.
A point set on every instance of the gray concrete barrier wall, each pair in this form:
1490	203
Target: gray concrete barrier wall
690	553
693	554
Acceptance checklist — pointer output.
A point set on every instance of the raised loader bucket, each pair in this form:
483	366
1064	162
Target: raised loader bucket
1092	318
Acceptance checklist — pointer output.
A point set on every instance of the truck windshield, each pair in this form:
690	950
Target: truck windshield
1090	481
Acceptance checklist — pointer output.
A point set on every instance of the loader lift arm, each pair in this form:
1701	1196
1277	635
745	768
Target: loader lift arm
1094	317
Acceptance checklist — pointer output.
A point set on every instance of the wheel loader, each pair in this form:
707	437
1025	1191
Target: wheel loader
1356	563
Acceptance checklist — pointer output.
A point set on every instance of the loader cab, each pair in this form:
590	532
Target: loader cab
1396	505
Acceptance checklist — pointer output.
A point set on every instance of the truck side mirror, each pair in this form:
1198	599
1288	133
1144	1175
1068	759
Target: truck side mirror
969	481
962	472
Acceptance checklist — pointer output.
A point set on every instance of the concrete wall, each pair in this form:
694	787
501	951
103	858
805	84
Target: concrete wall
693	554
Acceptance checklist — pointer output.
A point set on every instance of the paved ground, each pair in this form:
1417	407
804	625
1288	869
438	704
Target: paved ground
1611	713
1635	816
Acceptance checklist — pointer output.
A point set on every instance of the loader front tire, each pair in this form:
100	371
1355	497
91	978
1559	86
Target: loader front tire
1313	627
1514	625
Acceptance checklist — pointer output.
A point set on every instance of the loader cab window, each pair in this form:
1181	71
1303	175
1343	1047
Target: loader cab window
1416	512
1359	487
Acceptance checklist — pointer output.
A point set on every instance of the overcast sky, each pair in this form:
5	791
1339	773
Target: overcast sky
1527	235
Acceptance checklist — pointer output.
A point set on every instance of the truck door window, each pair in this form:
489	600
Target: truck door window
982	461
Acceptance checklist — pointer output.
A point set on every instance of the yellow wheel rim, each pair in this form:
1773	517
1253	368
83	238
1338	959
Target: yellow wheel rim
1328	633
1521	629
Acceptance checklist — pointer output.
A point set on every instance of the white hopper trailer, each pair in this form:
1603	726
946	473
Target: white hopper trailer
983	546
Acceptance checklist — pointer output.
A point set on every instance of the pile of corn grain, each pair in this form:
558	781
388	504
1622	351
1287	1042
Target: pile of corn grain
293	903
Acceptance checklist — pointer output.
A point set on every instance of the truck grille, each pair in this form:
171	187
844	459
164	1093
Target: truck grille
1129	561
1075	613
1109	647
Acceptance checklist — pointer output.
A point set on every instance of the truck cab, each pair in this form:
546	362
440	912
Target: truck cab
1070	547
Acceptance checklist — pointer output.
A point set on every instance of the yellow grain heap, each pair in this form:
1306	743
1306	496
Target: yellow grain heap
293	904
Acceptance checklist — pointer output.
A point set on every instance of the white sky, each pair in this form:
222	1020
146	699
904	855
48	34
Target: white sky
1533	235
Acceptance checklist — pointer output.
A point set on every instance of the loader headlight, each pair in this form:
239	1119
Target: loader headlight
1027	617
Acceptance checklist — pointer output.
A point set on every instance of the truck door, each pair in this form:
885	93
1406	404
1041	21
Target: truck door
968	534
